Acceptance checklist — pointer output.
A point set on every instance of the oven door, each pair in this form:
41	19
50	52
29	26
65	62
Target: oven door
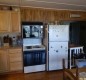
36	57
32	29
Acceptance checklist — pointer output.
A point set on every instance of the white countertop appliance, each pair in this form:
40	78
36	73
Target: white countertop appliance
58	37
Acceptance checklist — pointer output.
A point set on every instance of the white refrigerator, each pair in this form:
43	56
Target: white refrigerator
58	37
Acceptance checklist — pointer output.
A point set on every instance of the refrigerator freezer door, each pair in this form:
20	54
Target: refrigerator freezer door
58	32
57	51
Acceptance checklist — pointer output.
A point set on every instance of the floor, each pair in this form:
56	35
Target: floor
51	75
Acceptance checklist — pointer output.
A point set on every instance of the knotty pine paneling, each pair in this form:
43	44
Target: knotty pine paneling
49	15
31	14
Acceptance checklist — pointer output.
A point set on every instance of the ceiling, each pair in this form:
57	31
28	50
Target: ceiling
53	4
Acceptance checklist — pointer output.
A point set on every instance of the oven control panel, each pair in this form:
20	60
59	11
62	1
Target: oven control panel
35	47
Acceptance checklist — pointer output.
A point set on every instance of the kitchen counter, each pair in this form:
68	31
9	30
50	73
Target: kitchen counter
10	47
75	46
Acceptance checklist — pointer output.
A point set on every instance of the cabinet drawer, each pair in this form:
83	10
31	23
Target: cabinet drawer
15	51
15	57
15	66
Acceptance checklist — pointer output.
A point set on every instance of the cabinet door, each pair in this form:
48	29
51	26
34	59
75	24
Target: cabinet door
15	21
4	66
15	55
4	21
15	59
16	66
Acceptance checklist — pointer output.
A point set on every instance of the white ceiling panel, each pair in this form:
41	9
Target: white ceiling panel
73	2
10	2
56	4
52	5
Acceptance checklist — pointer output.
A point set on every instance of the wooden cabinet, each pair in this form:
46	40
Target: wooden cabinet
9	21
11	60
4	64
15	21
15	59
4	21
16	66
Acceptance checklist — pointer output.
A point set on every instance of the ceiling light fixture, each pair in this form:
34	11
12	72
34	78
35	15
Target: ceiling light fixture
75	15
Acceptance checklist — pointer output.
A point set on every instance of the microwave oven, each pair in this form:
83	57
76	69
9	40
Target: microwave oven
32	29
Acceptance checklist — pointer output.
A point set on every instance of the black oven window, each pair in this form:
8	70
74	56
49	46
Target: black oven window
34	57
32	31
26	31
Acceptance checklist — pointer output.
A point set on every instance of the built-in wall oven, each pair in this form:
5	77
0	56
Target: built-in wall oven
33	50
34	59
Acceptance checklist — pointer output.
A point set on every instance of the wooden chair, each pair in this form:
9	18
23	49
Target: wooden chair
75	50
68	73
73	74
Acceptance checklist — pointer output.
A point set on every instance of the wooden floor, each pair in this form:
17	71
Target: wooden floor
51	75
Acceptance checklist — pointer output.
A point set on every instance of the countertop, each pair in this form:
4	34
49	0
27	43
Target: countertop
11	47
75	46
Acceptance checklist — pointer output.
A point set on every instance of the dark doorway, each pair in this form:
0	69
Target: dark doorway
78	33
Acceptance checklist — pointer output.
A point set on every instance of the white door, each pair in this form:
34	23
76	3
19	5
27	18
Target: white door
57	51
58	32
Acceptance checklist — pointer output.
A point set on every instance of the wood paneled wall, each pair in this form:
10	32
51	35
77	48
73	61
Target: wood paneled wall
46	15
49	15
